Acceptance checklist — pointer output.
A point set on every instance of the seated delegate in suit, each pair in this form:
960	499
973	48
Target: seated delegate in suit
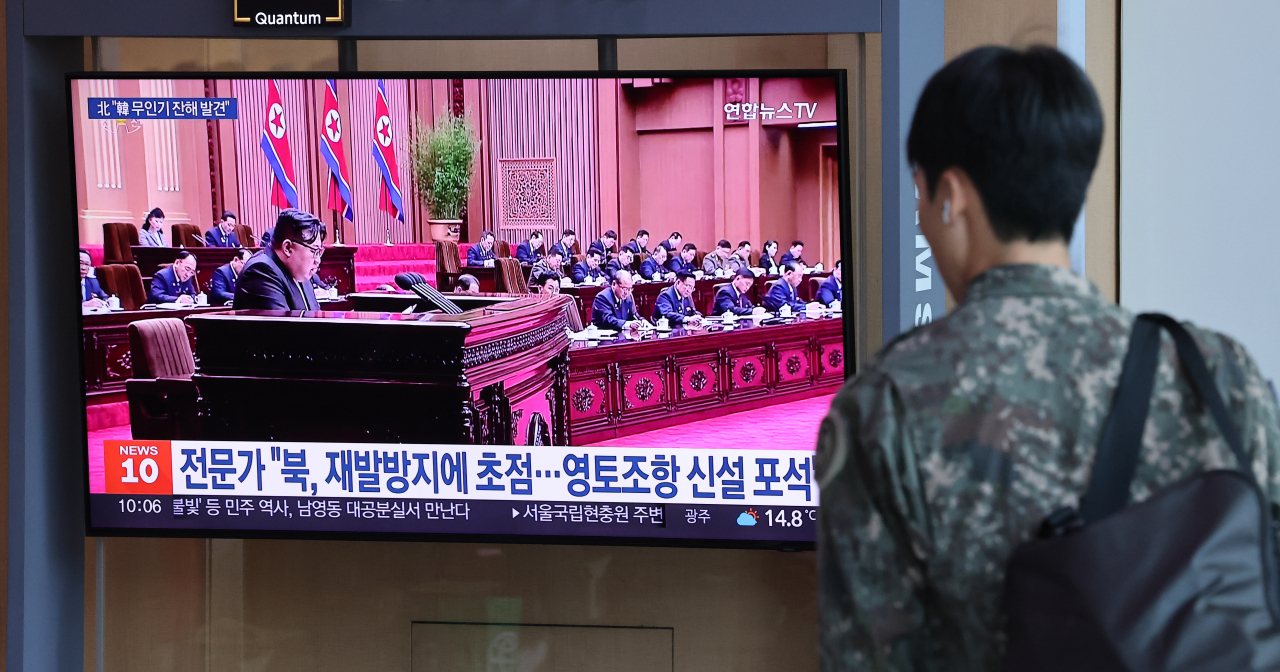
607	245
622	263
223	234
655	267
719	259
552	263
482	254
532	250
767	262
832	289
684	260
614	308
91	294
674	242
176	283
152	233
222	287
793	254
639	244
734	298
783	292
675	303
565	246
279	277
588	268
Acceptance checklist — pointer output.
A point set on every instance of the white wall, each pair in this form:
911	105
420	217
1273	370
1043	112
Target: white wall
1200	166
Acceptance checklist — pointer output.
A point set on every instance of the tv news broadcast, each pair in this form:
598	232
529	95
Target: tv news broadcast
544	308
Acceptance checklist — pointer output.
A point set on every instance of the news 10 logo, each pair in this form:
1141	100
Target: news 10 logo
138	467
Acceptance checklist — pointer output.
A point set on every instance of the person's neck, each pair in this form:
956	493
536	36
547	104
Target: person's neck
1020	252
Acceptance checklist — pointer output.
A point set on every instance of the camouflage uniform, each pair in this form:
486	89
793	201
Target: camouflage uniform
950	447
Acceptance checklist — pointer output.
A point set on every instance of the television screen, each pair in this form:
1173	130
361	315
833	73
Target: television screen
552	307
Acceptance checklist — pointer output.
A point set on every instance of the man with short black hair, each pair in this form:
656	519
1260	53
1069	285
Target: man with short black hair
613	307
623	262
741	257
683	261
223	234
674	241
547	285
467	284
675	303
279	277
552	263
222	287
175	283
734	298
565	246
783	292
481	254
532	250
793	254
588	268
606	245
640	244
718	259
959	438
655	267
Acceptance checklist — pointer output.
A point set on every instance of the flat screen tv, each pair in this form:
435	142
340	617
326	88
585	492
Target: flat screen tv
548	307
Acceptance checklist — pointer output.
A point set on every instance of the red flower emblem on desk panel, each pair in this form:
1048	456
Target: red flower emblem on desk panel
587	399
832	359
698	379
643	386
747	372
793	363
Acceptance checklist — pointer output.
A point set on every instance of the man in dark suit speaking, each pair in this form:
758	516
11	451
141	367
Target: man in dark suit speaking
222	288
176	283
279	277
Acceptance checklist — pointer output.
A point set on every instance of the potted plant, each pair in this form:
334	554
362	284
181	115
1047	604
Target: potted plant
443	162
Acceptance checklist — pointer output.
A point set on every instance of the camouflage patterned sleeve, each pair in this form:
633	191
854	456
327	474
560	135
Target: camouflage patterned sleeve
869	596
1252	401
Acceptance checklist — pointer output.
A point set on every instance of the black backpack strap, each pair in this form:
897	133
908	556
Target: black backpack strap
1117	455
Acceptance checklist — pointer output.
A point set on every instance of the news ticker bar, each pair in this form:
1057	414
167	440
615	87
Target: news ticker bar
513	474
454	516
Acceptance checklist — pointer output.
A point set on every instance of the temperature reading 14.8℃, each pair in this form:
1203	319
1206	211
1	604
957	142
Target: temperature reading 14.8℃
789	518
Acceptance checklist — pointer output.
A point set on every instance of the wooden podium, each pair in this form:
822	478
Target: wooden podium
495	374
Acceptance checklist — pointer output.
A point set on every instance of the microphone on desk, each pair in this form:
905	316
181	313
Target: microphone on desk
198	239
417	284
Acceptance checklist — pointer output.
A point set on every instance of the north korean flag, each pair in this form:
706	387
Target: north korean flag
391	199
275	144
331	149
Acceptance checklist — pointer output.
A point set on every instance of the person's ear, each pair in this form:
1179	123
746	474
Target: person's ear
956	205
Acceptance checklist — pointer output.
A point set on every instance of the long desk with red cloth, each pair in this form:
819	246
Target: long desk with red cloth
635	384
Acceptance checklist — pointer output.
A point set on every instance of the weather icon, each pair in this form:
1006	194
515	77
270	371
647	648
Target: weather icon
748	518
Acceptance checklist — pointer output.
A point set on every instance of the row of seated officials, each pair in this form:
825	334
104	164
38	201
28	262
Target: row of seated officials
614	307
177	283
604	257
223	234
